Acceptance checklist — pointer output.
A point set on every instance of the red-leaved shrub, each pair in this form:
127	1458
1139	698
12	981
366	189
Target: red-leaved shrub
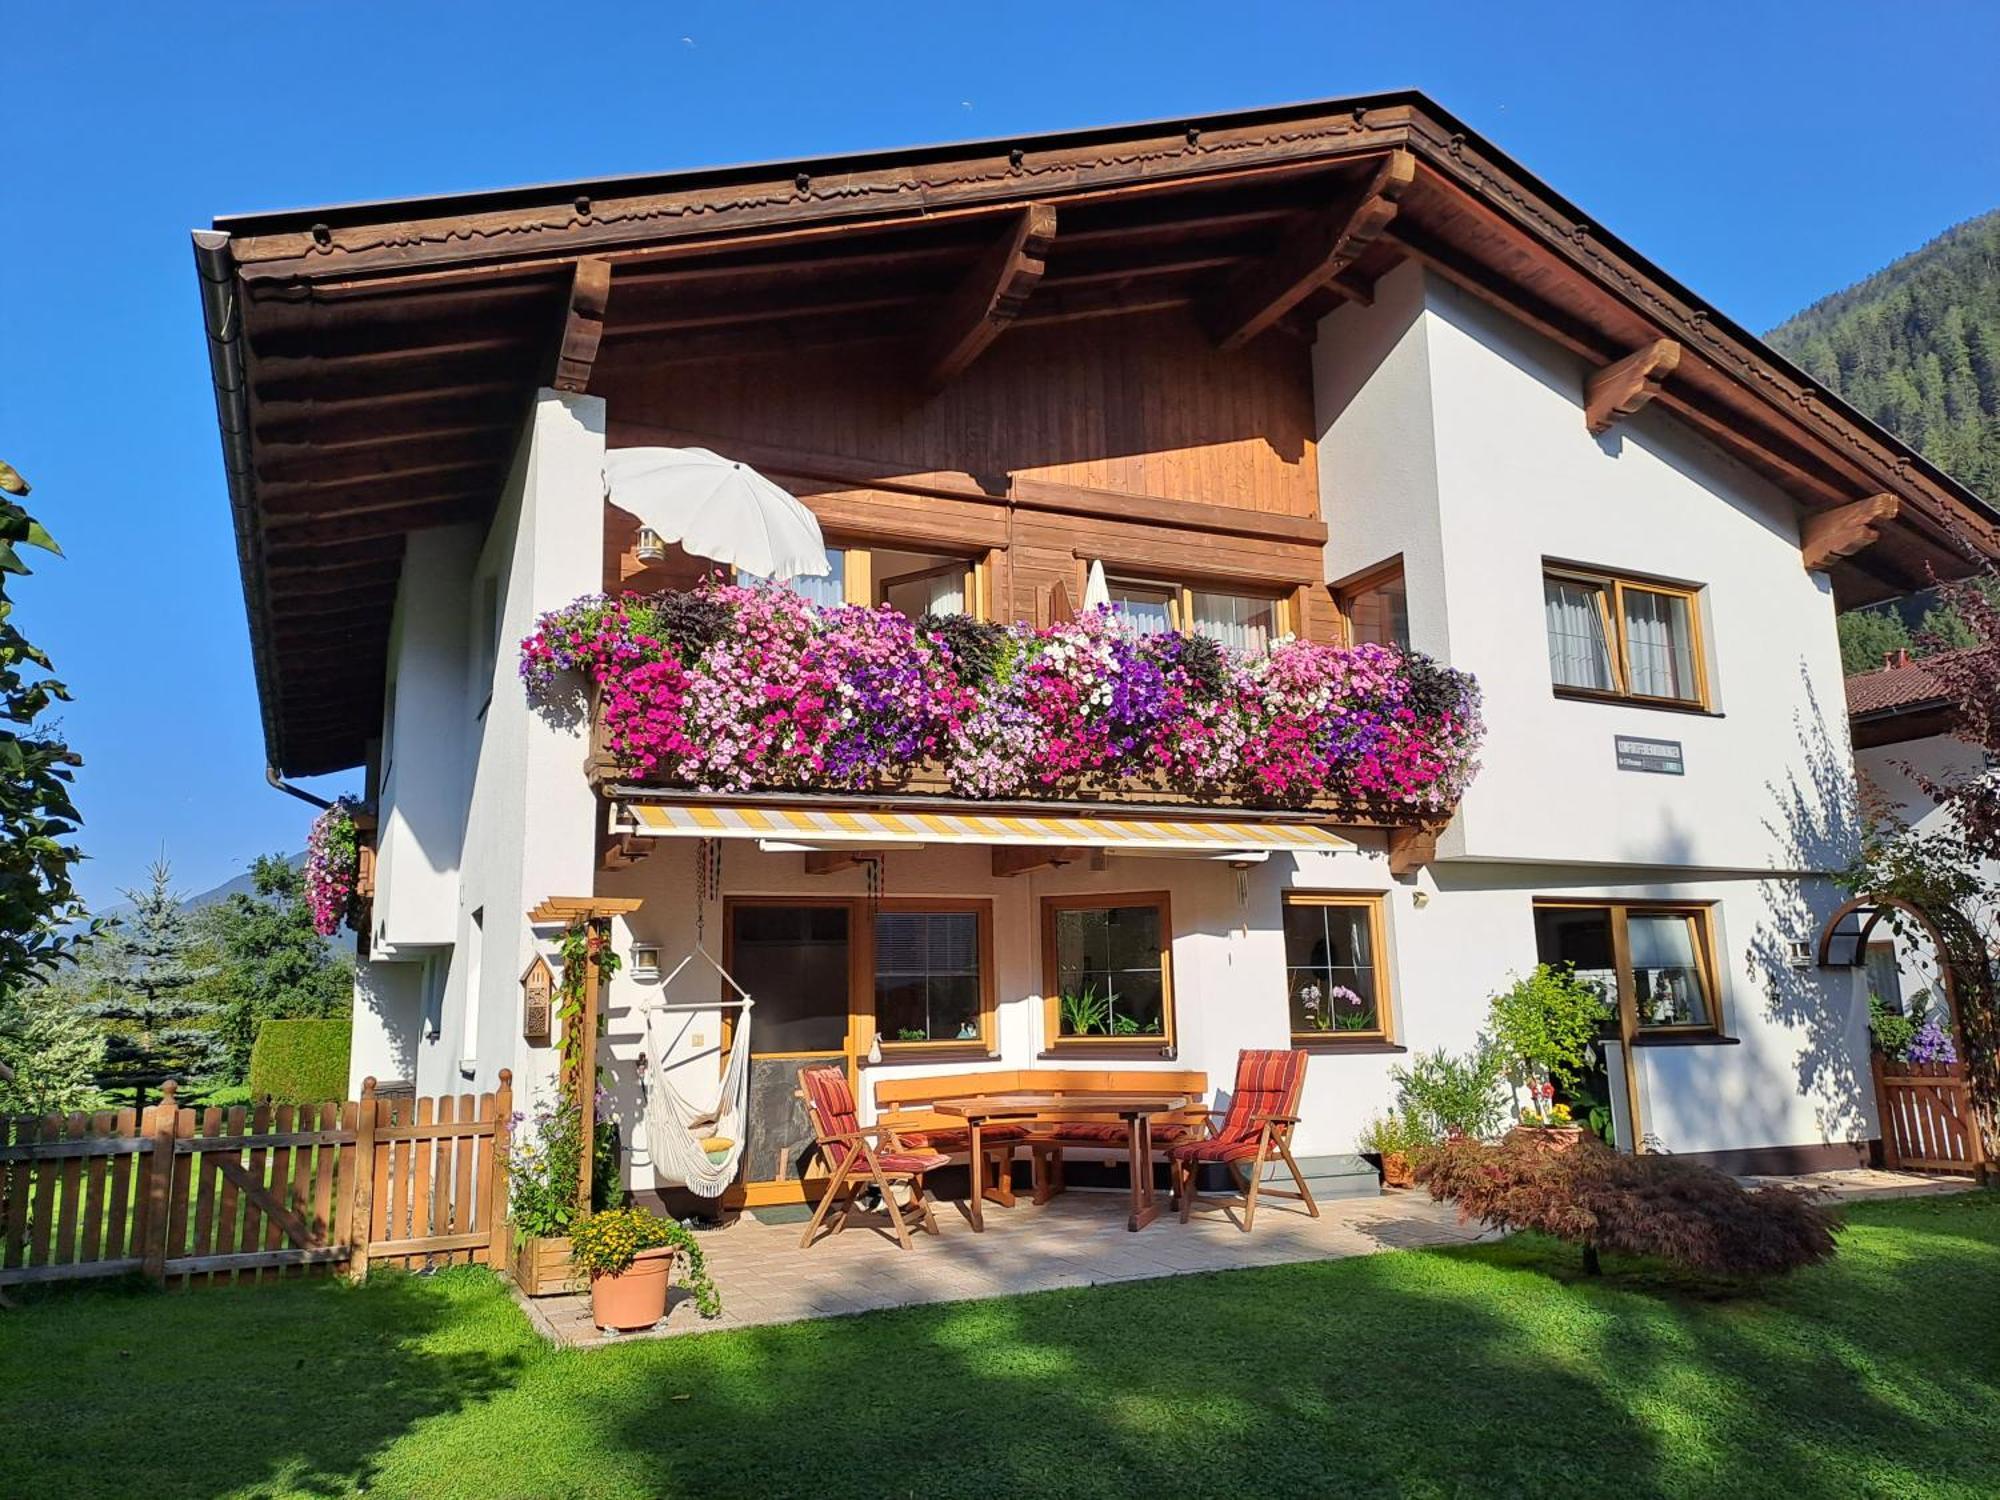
1653	1205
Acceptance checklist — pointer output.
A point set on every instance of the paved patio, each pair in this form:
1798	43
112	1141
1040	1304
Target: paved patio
1079	1239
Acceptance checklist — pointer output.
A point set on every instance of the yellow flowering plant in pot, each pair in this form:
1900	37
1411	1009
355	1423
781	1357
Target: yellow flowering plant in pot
628	1255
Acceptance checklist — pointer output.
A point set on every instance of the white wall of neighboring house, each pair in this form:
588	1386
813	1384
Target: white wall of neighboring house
513	780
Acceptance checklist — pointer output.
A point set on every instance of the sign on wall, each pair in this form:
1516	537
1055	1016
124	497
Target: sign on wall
1660	757
538	988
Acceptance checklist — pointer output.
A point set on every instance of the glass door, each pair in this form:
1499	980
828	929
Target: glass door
796	960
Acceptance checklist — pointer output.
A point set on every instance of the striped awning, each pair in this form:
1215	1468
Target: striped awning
872	828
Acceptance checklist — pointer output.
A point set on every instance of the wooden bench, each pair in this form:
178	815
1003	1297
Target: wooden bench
903	1106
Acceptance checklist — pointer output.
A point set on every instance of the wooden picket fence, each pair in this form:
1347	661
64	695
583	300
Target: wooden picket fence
1928	1123
193	1197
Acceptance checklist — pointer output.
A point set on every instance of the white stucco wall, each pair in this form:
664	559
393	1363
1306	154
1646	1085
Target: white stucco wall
1518	480
528	814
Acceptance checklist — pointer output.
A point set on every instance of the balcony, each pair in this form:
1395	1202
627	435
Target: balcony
731	690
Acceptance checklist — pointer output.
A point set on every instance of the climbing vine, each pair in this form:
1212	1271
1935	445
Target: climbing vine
583	944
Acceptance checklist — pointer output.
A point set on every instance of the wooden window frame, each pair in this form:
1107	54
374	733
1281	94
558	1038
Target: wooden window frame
1053	1041
986	1044
1611	614
1345	591
861	586
1701	917
1384	1032
861	1019
1285	617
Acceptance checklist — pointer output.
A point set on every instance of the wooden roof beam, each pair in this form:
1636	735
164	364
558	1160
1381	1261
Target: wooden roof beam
1829	535
1622	388
582	325
991	296
1313	254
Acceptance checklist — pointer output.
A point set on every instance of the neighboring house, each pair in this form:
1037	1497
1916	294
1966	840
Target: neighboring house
1902	720
1340	369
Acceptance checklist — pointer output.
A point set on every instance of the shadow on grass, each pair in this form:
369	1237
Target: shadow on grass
292	1388
1494	1370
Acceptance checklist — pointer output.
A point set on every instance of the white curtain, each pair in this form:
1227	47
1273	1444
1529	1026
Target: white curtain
1579	656
1242	624
826	590
1656	638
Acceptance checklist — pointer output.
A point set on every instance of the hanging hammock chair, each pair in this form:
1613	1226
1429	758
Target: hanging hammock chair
695	1148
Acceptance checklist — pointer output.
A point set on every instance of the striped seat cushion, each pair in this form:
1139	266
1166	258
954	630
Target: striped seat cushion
1268	1083
1109	1133
1218	1149
961	1140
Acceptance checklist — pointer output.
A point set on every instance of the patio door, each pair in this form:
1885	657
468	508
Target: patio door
796	958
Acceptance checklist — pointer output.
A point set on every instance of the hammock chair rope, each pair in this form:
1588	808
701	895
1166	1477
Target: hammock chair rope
677	1130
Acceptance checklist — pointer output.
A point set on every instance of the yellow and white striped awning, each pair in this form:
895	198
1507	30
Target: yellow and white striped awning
870	828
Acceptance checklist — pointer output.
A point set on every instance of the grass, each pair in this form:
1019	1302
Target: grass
1494	1370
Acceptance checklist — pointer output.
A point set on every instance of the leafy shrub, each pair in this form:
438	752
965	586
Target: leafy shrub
606	1244
301	1061
1548	1021
1448	1096
1396	1134
1893	1032
1652	1205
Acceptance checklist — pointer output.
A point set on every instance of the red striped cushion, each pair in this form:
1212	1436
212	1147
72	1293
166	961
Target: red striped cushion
1103	1133
832	1106
961	1140
1267	1083
1218	1149
906	1161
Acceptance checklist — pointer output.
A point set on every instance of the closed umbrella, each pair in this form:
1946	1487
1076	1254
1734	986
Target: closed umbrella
1096	591
717	508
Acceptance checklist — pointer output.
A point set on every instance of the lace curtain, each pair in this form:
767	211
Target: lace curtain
1579	655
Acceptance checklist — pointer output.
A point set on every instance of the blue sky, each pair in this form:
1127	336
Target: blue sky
1765	154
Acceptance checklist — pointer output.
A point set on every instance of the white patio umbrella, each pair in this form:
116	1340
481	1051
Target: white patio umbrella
1096	592
717	508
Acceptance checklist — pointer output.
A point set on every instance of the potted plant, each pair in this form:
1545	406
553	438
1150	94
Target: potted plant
1545	1025
628	1255
1397	1139
544	1164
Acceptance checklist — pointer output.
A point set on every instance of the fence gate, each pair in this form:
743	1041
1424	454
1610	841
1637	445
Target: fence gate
191	1197
1928	1121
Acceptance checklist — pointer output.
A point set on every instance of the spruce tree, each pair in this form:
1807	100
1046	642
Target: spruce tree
146	984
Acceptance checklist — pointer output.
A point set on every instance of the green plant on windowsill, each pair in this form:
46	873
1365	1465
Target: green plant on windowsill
1085	1012
909	1034
1355	1020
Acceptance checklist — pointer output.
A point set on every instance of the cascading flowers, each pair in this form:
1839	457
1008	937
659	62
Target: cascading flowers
333	867
727	688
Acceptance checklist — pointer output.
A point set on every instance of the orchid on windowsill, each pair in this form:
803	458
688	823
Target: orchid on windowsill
728	688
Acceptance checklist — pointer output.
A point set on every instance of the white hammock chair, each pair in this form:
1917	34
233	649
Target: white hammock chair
692	1148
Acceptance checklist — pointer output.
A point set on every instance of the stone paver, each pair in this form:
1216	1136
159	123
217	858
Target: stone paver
1078	1240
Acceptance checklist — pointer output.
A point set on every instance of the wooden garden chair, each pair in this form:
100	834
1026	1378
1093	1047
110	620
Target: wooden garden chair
857	1162
1257	1130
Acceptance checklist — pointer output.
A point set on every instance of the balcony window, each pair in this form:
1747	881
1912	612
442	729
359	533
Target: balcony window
1242	622
1621	638
1376	608
826	590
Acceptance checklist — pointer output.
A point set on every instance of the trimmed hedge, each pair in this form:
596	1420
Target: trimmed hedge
301	1062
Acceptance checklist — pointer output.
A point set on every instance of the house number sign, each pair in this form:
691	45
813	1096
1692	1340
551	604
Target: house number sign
538	987
1660	757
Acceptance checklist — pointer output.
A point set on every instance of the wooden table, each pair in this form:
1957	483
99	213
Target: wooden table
1136	1110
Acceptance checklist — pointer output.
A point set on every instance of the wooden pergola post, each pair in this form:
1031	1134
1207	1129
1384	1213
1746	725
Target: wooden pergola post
594	914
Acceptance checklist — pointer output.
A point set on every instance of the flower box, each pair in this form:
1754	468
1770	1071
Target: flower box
541	1265
728	690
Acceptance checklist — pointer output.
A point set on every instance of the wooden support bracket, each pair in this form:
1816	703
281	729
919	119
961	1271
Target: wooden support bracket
1620	389
832	861
1827	536
1411	847
1012	859
583	325
1312	254
991	296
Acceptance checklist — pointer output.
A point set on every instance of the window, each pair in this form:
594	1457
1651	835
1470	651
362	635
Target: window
916	584
1376	608
826	590
1107	971
1333	968
1656	963
1243	622
931	973
488	644
1885	976
1623	638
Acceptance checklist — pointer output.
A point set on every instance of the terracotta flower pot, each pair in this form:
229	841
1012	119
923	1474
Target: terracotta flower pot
1397	1170
1549	1137
635	1297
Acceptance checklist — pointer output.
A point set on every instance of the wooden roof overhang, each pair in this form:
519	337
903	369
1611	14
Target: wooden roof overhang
372	362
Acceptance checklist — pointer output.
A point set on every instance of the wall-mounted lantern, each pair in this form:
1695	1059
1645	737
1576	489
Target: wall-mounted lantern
645	961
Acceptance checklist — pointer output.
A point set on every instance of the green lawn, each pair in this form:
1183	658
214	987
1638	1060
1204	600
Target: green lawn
1493	1370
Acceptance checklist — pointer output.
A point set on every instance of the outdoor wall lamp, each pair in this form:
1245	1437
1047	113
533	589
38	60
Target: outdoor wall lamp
645	961
650	548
